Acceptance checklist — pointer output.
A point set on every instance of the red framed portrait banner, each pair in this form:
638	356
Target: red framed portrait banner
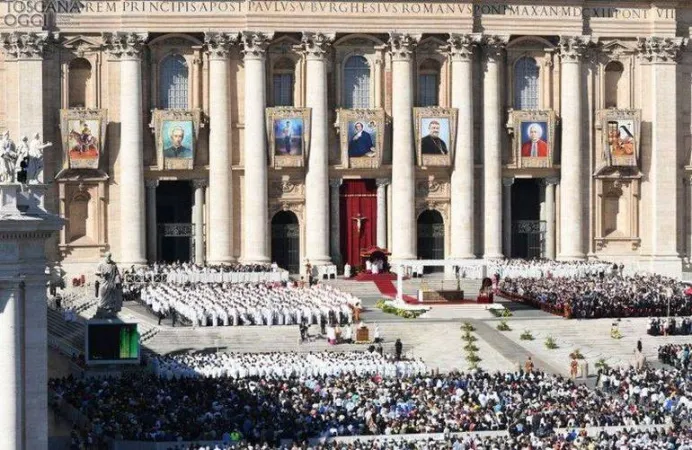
358	214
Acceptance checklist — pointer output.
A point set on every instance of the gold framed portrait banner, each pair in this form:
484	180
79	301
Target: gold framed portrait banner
288	131
361	134
83	133
620	137
176	133
534	137
435	134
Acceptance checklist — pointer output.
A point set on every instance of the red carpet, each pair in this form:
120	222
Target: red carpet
367	276
388	289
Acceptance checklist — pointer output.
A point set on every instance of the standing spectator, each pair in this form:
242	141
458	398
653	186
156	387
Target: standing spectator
398	346
528	365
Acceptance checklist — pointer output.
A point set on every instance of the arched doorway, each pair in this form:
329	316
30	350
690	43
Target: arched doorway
286	241
431	237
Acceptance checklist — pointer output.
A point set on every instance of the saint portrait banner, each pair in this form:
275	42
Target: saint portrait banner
176	138
362	137
83	132
435	131
288	132
534	137
620	131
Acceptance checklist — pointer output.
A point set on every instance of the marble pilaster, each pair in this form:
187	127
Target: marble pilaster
198	218
382	212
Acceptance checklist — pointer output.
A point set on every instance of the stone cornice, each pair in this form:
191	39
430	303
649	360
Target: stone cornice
17	45
461	46
255	44
125	45
494	46
573	48
316	45
218	44
657	49
401	45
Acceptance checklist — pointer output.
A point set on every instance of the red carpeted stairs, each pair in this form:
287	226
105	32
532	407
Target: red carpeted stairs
388	289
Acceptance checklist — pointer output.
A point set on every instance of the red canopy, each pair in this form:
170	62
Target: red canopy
366	253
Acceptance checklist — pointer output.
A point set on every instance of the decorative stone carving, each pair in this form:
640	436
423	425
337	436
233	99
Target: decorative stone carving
34	169
657	49
24	45
125	45
255	44
218	44
8	158
432	188
110	288
461	46
573	48
286	188
494	47
401	45
316	45
81	45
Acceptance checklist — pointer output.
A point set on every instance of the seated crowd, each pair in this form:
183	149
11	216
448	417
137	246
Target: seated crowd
669	326
541	268
596	297
677	355
284	365
250	304
171	271
145	407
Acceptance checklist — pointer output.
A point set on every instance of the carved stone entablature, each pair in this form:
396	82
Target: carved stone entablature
287	188
494	46
401	45
623	173
657	49
218	44
125	45
82	45
17	45
316	45
573	48
432	188
255	44
461	46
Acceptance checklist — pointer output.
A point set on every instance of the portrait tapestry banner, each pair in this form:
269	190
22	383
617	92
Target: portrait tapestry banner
362	137
620	132
83	137
435	130
534	137
176	136
288	131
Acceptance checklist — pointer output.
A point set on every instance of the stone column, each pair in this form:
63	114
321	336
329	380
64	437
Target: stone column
198	219
493	47
12	421
255	202
661	56
220	179
572	160
507	215
403	159
127	47
152	241
382	212
315	47
462	227
550	217
335	222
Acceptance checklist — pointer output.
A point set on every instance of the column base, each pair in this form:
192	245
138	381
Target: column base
668	265
255	260
573	257
229	260
320	261
493	256
466	256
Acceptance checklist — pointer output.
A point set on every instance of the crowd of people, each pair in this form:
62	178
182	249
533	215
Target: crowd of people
591	297
284	365
542	268
146	407
188	272
677	355
669	326
223	304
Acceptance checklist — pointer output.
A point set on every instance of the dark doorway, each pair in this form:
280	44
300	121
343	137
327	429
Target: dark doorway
286	241
527	228
174	220
431	238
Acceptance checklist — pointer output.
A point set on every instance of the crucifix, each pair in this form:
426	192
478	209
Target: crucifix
359	222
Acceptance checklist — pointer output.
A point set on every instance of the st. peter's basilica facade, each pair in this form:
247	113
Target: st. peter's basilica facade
299	130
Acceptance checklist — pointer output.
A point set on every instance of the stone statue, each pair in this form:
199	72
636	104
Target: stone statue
8	158
110	287
22	161
34	170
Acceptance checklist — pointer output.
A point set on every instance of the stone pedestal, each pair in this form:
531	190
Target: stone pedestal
24	229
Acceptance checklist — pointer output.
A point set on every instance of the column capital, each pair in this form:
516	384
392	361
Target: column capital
316	45
507	181
382	181
336	182
151	184
460	46
218	43
401	45
200	183
125	45
494	46
17	45
255	44
656	49
550	181
573	48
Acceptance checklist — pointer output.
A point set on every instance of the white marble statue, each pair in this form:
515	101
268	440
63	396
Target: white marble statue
110	287
34	170
8	158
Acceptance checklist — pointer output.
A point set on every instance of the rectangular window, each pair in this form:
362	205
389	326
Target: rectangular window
283	89
427	90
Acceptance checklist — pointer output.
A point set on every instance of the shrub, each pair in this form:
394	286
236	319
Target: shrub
526	336
601	364
503	326
550	343
576	354
468	337
472	357
403	313
501	312
470	347
468	327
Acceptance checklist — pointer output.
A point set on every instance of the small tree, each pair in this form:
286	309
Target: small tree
576	354
526	336
550	343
